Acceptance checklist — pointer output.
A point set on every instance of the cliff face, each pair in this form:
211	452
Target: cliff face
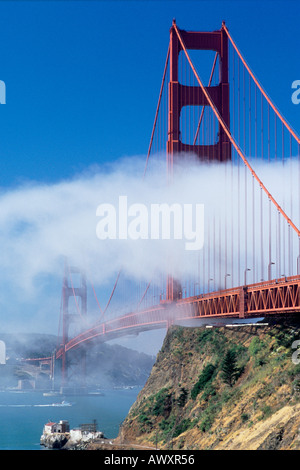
220	388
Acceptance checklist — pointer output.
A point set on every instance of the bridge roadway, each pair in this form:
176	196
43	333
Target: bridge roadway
278	296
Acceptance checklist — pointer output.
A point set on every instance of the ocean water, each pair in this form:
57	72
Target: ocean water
23	414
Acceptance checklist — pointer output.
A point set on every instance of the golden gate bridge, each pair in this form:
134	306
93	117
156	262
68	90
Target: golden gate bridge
229	122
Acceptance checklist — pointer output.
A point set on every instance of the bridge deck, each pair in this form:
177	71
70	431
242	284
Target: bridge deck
261	299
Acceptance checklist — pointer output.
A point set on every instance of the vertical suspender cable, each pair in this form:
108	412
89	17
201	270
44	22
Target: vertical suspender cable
233	142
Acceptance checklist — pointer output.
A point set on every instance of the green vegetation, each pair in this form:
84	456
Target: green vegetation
229	369
229	366
204	378
163	403
181	401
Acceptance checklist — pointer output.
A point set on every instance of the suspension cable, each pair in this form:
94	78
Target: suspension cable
96	298
260	87
144	294
157	109
112	293
232	140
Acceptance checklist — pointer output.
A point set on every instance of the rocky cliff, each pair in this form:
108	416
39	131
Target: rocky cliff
220	388
73	440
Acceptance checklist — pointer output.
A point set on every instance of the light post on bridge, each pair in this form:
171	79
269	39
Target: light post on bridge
269	270
195	284
245	276
226	275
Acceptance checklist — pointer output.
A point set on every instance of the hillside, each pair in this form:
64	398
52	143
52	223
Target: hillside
220	388
114	365
107	365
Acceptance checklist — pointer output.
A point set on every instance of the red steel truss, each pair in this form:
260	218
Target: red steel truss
267	298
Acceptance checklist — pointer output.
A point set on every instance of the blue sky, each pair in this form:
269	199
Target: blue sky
82	82
82	78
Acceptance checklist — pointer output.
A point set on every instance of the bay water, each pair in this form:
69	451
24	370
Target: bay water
23	414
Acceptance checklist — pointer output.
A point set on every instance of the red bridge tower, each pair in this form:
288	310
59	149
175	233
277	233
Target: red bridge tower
76	317
181	95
